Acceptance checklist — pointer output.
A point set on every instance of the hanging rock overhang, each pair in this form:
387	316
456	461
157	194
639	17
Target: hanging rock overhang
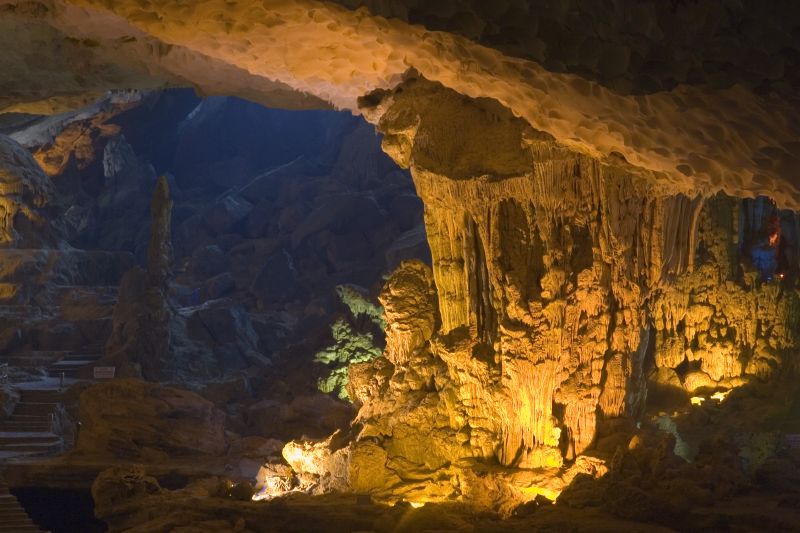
307	53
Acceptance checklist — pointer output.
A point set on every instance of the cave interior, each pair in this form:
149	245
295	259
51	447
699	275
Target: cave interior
390	265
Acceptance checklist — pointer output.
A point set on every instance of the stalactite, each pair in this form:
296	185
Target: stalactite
556	276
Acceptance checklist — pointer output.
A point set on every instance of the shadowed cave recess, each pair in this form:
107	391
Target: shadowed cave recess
400	266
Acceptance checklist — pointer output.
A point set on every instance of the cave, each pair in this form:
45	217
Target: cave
335	265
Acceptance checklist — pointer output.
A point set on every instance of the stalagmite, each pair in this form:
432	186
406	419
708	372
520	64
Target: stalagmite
602	308
140	341
159	253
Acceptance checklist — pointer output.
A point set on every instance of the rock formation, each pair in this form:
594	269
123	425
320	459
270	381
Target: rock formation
25	197
560	285
648	57
132	419
140	340
733	318
603	256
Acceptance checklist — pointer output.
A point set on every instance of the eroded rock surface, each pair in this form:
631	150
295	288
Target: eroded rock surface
583	260
559	286
25	197
133	419
140	341
652	60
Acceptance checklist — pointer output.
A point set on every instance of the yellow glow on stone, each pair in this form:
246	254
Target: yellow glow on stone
697	400
720	395
534	491
416	505
274	487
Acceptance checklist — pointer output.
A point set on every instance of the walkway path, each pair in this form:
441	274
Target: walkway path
13	518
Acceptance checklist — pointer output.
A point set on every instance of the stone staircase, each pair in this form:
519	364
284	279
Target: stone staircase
29	429
55	317
13	518
55	310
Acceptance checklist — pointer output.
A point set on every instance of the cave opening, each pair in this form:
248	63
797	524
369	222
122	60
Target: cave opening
278	230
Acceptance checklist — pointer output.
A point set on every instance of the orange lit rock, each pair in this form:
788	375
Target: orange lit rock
728	330
132	418
319	465
552	273
25	194
313	53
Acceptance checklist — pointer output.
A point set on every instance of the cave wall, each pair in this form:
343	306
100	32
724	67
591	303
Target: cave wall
562	288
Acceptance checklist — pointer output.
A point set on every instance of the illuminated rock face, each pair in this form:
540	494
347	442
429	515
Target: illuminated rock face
669	102
558	285
578	252
25	193
719	326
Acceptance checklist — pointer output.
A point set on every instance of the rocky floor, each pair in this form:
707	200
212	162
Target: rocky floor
193	508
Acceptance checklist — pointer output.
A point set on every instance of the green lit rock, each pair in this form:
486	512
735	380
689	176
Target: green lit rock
349	346
355	300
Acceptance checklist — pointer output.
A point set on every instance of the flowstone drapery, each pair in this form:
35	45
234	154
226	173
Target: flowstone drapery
559	287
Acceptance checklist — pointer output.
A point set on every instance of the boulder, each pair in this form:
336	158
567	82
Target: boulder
129	418
119	485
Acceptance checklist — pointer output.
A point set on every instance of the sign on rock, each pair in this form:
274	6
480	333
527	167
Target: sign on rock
104	372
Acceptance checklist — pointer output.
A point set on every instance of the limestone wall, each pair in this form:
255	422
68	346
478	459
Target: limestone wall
563	285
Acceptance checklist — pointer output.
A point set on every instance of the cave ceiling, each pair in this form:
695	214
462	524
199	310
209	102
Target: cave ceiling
698	95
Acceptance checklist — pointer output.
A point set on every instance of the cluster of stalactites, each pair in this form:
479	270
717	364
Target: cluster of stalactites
548	271
551	268
733	318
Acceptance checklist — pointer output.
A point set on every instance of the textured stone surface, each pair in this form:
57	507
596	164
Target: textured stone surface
552	275
581	256
745	130
130	419
25	192
720	327
140	342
